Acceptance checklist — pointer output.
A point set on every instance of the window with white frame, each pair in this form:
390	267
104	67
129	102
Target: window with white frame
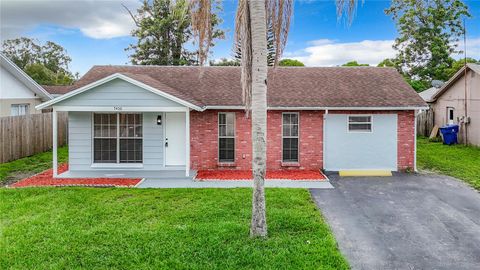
118	138
290	137
360	123
450	115
19	109
226	137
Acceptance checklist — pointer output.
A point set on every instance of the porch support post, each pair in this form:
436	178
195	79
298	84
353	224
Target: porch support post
55	141
187	143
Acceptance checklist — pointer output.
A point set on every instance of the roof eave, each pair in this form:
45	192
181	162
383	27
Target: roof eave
25	79
94	84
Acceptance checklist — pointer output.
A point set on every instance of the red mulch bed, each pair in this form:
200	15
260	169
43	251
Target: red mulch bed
46	179
271	175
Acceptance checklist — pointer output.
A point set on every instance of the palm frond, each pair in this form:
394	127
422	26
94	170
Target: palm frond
279	14
201	12
243	43
346	8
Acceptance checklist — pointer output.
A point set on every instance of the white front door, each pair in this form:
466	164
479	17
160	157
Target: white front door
175	139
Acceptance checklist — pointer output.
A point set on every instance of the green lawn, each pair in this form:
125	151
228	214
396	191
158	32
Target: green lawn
64	228
462	162
24	167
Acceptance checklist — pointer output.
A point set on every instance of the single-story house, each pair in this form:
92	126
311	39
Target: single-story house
144	119
19	94
458	102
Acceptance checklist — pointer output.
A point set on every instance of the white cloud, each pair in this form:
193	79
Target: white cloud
95	19
326	52
473	48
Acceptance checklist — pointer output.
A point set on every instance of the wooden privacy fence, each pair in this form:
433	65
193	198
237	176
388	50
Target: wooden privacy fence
425	122
23	136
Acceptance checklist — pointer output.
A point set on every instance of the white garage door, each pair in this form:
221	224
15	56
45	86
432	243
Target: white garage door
360	142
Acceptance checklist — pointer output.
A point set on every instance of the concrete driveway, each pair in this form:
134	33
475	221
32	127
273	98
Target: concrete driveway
404	222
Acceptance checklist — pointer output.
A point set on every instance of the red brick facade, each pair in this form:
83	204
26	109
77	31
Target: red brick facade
204	140
406	140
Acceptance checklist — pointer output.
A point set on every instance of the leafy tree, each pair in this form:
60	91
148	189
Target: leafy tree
163	29
225	62
44	76
458	64
46	64
388	63
354	64
290	62
429	32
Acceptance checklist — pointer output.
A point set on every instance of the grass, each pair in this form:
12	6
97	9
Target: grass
92	228
24	167
459	161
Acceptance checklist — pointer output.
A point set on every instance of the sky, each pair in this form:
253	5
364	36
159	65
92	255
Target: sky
97	32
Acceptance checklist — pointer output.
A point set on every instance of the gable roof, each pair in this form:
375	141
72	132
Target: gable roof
24	78
470	66
288	87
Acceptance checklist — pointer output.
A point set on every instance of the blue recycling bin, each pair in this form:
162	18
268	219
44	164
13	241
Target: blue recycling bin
449	134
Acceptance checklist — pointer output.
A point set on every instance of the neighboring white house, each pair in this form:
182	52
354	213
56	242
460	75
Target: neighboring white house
19	94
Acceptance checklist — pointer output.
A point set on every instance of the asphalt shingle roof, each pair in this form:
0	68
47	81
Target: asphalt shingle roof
287	86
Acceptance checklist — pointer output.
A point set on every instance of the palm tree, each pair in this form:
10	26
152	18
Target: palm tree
251	22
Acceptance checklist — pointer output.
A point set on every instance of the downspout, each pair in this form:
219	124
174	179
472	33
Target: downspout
415	143
465	120
323	140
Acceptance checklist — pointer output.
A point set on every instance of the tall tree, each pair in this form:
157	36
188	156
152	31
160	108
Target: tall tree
251	21
429	33
164	28
45	63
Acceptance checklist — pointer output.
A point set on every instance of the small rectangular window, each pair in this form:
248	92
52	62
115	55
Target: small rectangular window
450	115
290	137
19	109
360	123
226	137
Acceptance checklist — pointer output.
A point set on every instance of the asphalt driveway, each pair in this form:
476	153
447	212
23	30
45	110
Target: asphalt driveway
404	222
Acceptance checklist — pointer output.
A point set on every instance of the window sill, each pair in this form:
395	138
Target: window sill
290	164
226	164
117	165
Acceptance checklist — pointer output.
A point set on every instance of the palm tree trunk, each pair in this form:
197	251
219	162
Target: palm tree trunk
259	115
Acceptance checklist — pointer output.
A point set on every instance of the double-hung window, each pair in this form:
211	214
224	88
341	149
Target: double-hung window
360	123
290	137
226	137
118	138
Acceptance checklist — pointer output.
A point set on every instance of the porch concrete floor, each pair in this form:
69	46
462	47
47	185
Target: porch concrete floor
161	174
188	183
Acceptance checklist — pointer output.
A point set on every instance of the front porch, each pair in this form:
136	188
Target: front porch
178	174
